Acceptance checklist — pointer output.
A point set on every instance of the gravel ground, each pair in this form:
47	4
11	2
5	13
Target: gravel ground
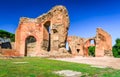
95	61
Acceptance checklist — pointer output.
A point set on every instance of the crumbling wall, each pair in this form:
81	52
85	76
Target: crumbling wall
79	46
103	43
59	28
50	31
58	21
76	45
28	27
85	47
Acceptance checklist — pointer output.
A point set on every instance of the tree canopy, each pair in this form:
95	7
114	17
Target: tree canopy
116	48
92	51
7	34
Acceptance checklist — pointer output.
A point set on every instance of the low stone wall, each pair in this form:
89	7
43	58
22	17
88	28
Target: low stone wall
9	53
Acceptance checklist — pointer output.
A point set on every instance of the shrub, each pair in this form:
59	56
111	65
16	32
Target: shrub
116	48
92	50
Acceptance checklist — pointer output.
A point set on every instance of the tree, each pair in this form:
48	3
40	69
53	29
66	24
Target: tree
116	48
92	50
7	34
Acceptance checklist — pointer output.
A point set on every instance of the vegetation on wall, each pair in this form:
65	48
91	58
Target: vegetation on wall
92	50
7	34
116	48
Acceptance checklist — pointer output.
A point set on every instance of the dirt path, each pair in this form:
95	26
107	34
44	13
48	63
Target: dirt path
95	61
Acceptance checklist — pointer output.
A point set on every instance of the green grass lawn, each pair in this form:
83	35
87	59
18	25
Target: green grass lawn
42	67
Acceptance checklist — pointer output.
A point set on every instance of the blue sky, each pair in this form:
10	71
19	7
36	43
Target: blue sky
85	15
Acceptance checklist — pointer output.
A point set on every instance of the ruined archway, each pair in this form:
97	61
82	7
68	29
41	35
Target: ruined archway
46	36
30	45
50	30
91	47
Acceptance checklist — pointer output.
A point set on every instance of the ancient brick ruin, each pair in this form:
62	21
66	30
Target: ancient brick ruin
102	42
46	33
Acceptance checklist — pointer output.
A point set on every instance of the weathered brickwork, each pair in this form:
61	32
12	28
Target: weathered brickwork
49	30
48	33
102	42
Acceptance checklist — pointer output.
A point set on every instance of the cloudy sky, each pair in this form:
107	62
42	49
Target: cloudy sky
85	15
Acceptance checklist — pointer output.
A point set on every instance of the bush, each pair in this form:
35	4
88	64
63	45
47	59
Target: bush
116	48
92	50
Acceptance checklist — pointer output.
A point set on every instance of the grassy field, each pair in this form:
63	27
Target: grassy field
42	67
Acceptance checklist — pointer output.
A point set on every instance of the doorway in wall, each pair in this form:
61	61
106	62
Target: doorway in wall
46	36
30	45
91	48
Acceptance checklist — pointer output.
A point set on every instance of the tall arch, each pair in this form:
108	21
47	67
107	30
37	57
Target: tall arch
46	36
51	30
30	46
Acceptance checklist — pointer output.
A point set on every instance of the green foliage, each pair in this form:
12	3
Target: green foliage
42	67
7	34
92	50
116	48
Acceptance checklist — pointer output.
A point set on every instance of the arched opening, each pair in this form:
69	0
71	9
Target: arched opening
91	48
91	51
30	45
78	48
67	46
46	36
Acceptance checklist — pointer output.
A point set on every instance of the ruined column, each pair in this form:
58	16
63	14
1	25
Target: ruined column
59	28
